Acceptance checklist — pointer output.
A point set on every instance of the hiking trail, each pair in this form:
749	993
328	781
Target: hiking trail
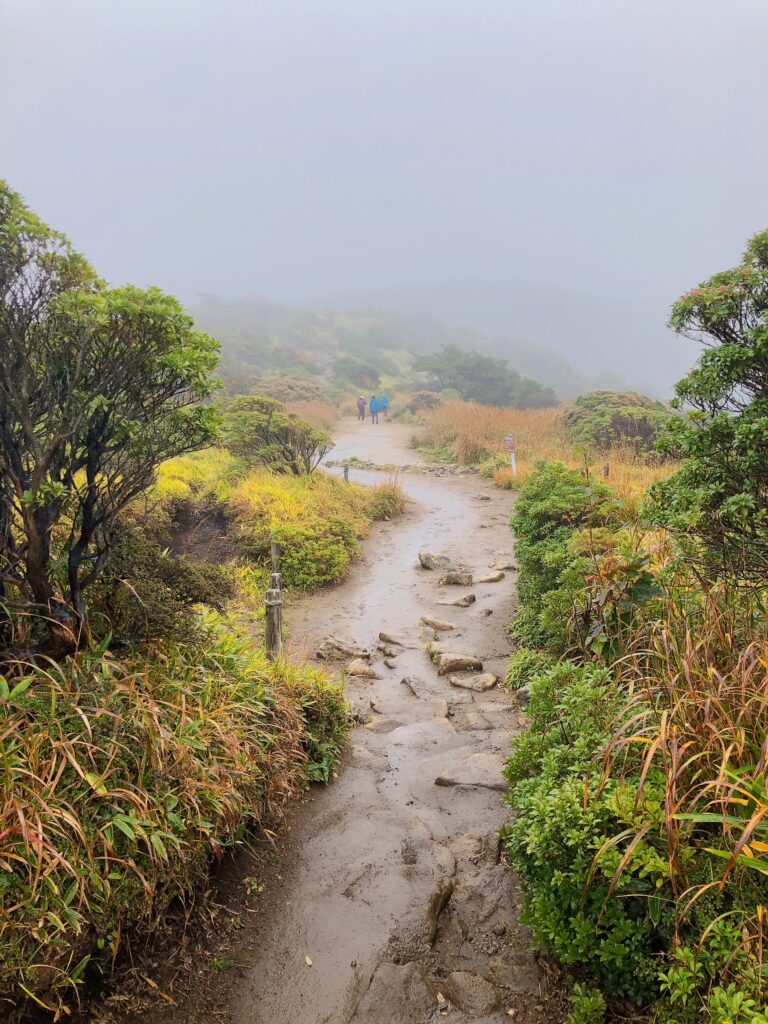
389	902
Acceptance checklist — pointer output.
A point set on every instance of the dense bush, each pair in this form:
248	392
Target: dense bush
641	769
261	432
717	502
478	378
607	419
565	815
550	510
146	593
316	516
525	665
123	778
315	554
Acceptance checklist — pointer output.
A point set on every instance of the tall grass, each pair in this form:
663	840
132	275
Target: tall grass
318	413
121	779
697	686
476	432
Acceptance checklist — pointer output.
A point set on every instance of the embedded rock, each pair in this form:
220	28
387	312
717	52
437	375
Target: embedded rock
361	669
439	625
460	602
471	993
452	661
479	684
456	578
333	647
492	577
429	560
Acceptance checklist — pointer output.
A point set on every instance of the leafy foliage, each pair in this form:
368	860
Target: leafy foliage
551	507
129	776
262	432
146	593
606	419
479	378
98	386
639	780
717	502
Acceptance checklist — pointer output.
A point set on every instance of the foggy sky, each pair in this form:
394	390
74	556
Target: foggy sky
297	148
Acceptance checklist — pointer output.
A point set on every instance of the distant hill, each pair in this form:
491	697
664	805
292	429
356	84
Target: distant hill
585	341
261	337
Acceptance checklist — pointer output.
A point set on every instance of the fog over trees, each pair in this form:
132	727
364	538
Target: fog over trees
544	173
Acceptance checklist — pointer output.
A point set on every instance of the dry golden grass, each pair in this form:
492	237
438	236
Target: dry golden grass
539	434
319	414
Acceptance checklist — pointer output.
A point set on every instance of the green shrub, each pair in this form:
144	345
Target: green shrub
604	419
146	593
524	665
553	504
587	1005
130	775
259	431
315	555
560	841
494	462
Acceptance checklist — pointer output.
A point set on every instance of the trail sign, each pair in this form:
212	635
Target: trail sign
509	445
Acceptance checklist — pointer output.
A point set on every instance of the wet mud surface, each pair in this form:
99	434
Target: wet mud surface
387	901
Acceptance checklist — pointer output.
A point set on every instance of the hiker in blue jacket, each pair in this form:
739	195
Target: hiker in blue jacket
374	406
384	401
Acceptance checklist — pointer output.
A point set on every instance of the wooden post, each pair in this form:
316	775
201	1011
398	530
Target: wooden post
509	444
273	618
606	470
275	552
346	474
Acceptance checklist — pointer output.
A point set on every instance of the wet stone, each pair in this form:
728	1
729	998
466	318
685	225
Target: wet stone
333	647
361	669
456	578
479	684
460	602
439	625
482	770
452	661
492	577
430	560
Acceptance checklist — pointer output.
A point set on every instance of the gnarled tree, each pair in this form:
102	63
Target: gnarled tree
261	431
717	502
98	385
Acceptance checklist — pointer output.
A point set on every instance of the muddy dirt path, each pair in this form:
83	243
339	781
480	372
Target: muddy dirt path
393	887
389	903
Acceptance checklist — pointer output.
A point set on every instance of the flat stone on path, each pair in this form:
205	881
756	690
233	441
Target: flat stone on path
439	625
429	560
362	669
452	661
456	578
460	602
492	577
333	647
482	770
479	684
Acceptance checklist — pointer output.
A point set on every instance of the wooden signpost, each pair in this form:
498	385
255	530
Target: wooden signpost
273	611
509	445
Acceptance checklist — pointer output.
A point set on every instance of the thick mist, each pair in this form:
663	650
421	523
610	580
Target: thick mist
552	173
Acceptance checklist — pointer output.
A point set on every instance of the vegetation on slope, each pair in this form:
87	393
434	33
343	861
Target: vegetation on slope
638	785
141	734
602	420
473	435
124	777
